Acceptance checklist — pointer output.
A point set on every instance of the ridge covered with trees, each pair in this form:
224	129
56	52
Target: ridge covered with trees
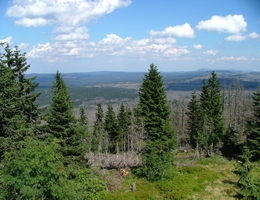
50	153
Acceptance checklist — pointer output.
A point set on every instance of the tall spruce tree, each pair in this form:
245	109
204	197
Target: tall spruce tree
27	87
253	126
99	138
123	119
82	129
193	119
61	124
18	113
211	127
157	155
111	127
10	115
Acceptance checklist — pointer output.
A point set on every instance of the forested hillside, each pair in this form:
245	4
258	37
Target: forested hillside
155	148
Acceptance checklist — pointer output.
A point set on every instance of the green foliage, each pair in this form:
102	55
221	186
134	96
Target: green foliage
253	128
144	190
248	184
98	142
19	114
34	171
190	180
193	119
205	117
61	125
124	123
214	161
156	167
82	130
27	87
111	127
157	154
231	146
89	184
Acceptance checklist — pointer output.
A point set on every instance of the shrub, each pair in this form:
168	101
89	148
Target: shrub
33	170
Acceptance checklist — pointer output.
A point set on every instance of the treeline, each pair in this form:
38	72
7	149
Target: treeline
43	156
82	95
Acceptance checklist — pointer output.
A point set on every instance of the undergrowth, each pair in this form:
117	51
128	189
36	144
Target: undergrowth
210	178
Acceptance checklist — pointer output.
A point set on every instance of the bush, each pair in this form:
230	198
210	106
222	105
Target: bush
90	184
34	171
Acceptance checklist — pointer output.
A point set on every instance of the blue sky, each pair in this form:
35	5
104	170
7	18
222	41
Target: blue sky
128	35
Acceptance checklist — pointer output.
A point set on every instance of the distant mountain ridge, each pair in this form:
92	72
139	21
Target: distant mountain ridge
114	77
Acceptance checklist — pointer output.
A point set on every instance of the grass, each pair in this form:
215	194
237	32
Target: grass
210	178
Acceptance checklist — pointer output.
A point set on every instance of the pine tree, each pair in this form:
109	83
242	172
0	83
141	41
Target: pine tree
157	155
253	138
61	124
111	127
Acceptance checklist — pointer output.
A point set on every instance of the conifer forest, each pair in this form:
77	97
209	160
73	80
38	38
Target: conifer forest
204	146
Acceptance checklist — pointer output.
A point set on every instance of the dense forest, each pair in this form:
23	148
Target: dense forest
50	153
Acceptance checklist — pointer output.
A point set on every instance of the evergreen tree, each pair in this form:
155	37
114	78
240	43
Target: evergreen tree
11	117
61	124
111	127
99	139
123	127
27	88
211	127
82	129
249	185
19	112
193	119
253	126
157	155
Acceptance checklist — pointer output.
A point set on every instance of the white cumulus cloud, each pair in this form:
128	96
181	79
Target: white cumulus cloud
168	40
236	38
197	46
253	35
80	33
211	52
175	52
7	40
36	22
234	24
184	30
65	13
41	50
23	45
111	45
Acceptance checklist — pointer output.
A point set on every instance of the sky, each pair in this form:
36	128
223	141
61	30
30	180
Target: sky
129	35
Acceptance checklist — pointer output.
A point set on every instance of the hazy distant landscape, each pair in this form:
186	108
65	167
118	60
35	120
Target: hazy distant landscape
88	88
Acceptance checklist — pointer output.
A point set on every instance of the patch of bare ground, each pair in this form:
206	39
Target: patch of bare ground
113	161
114	166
